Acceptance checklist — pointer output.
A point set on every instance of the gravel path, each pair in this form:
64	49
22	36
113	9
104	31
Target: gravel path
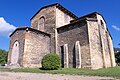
40	76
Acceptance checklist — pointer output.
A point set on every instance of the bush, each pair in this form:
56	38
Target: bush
51	62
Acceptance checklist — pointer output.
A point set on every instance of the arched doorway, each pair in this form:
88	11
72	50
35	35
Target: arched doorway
15	53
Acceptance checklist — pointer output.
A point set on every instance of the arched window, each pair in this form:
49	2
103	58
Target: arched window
41	24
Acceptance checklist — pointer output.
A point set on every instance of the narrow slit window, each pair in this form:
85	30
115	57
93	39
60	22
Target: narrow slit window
62	56
102	24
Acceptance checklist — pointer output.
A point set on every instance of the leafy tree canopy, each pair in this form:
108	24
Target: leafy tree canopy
3	56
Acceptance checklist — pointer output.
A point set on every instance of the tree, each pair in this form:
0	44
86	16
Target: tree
117	58
3	56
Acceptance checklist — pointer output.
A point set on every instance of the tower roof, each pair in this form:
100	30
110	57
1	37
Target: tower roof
59	7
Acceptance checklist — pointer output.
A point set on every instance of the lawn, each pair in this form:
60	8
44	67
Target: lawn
112	72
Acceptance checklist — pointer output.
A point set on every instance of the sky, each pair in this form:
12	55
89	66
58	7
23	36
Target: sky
16	13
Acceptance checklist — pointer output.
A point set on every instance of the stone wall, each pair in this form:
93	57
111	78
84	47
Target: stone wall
19	36
95	45
37	45
112	55
105	41
100	43
106	48
50	22
54	18
50	18
62	18
69	35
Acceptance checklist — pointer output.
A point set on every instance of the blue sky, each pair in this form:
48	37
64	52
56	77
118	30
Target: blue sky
15	13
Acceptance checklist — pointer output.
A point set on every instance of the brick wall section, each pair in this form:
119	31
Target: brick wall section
50	23
50	18
69	35
54	18
33	46
19	36
37	45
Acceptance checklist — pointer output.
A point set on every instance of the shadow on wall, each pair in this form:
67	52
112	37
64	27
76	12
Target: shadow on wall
74	58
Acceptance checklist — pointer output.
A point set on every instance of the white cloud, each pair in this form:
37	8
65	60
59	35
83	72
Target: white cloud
5	27
116	27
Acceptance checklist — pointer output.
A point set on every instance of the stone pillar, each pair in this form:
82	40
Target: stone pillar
101	33
56	49
78	54
66	56
112	55
103	54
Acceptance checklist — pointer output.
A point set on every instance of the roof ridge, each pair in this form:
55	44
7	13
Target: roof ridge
59	6
28	28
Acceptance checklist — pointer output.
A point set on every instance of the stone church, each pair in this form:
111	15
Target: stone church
81	42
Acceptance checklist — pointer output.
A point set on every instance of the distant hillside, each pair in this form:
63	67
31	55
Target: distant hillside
116	50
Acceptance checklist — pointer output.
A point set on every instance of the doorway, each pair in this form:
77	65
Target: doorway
62	56
15	53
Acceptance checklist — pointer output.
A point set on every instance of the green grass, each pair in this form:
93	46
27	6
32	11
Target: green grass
112	72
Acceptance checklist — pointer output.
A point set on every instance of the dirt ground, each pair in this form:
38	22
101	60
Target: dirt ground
40	76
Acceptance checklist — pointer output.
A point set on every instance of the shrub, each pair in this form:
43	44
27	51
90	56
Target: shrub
51	62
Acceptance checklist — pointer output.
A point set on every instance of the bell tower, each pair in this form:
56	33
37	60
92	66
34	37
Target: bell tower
49	18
